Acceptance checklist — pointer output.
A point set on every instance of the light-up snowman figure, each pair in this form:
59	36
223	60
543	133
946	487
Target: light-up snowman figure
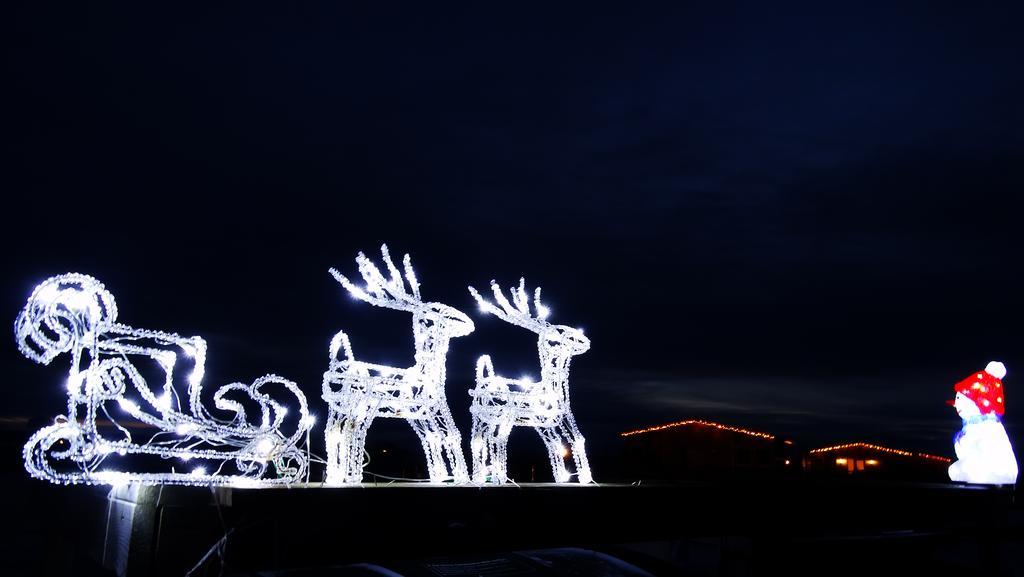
983	451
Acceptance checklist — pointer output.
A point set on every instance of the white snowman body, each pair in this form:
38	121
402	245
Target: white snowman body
983	451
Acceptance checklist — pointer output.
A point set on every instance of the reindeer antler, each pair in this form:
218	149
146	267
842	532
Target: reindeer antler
384	292
517	311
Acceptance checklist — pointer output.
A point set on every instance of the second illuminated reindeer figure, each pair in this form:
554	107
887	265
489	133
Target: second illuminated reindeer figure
358	392
500	403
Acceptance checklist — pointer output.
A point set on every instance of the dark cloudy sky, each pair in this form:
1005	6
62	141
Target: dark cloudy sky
801	219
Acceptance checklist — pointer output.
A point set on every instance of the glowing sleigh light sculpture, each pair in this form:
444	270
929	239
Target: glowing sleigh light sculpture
500	403
74	313
358	392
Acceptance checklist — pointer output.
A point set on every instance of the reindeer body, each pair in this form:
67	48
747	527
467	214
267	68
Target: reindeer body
500	403
358	392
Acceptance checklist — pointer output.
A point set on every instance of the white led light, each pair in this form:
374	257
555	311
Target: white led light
499	403
357	392
265	447
128	406
112	478
163	402
74	313
185	428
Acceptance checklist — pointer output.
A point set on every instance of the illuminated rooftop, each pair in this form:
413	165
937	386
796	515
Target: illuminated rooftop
698	422
878	448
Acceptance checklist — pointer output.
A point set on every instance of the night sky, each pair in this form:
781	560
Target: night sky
803	220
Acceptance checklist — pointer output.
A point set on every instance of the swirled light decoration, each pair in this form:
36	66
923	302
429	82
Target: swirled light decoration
121	429
501	403
358	392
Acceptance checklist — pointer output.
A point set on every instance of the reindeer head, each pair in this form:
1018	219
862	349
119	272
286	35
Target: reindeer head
391	292
558	338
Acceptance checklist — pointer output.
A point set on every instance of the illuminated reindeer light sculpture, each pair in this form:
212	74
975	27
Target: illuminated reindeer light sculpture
500	403
358	392
107	382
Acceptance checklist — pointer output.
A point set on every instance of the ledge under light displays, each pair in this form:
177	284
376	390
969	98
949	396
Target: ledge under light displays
125	420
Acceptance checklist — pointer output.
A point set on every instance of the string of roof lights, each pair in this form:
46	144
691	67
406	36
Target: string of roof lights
698	422
769	436
880	449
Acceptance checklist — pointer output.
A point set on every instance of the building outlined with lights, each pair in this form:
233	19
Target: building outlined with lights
867	459
696	449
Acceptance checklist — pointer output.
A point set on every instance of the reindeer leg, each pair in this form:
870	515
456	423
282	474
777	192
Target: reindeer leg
577	445
557	447
489	443
357	446
497	447
333	438
452	443
478	448
431	438
346	441
489	439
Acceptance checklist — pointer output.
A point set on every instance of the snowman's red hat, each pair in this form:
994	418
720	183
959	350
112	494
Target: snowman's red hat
985	389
